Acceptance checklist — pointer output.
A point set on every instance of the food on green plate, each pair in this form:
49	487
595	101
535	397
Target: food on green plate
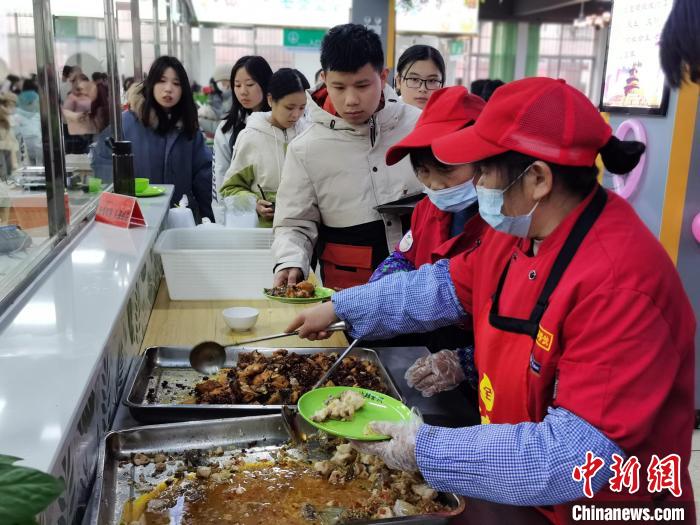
342	407
302	290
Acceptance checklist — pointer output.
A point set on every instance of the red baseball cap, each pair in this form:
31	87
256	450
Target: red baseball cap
448	109
540	117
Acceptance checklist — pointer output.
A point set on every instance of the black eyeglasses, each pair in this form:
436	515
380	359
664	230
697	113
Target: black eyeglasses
431	84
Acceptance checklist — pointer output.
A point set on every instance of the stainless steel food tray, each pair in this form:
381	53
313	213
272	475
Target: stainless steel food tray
171	364
259	435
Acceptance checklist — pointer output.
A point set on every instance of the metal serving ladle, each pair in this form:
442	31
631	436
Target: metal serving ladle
209	357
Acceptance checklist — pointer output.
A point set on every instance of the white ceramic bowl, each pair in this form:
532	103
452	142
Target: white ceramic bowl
241	318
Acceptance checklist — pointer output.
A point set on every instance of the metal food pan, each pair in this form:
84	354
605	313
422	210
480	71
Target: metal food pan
171	364
259	435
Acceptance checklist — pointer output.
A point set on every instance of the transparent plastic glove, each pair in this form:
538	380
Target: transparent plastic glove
435	373
399	452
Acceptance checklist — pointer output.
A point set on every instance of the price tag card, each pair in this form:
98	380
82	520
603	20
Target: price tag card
119	210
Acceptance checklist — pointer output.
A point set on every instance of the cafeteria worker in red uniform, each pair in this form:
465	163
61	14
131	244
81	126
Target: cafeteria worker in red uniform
446	222
584	336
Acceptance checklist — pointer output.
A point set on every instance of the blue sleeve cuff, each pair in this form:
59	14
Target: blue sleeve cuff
401	303
523	464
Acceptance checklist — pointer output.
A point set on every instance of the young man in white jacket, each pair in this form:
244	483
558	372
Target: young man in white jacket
335	173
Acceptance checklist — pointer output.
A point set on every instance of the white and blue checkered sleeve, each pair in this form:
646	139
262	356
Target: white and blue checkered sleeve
523	464
401	303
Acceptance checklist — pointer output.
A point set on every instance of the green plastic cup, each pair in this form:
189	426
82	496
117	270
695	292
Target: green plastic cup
94	185
140	184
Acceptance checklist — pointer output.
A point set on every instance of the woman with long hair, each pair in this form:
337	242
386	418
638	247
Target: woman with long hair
168	147
257	163
250	77
99	107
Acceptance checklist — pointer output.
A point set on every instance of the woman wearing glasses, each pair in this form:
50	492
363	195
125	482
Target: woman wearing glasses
419	72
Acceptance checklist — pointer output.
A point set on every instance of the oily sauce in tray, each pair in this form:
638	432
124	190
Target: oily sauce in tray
277	485
264	495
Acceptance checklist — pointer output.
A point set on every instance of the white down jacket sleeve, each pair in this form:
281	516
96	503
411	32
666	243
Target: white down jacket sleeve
222	156
297	216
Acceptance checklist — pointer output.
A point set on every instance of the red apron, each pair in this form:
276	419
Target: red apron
345	265
584	350
505	345
430	235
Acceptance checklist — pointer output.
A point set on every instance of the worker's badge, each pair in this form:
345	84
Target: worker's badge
406	242
544	339
486	392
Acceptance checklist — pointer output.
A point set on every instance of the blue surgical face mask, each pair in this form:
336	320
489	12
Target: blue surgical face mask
491	210
454	199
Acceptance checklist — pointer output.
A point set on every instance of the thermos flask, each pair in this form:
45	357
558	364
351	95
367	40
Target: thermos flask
123	167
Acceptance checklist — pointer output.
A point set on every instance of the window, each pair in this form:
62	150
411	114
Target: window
567	52
480	54
233	36
25	25
29	236
24	219
230	44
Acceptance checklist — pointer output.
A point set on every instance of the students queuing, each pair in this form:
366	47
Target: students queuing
258	158
249	80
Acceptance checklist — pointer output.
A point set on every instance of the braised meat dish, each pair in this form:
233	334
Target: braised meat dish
283	378
302	290
342	407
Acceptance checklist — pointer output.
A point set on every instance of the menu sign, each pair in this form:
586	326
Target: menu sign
119	210
634	81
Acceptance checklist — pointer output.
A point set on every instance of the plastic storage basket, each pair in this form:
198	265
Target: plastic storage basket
216	263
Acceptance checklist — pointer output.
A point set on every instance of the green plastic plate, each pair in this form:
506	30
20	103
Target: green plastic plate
377	407
320	294
151	191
